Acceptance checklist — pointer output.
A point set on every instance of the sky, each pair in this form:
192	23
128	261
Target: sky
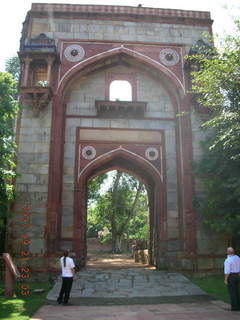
13	12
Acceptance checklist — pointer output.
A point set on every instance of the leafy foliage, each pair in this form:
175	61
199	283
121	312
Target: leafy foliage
221	184
8	113
216	82
122	209
217	85
94	188
12	66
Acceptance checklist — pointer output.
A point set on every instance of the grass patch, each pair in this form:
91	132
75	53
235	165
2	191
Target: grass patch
22	307
214	286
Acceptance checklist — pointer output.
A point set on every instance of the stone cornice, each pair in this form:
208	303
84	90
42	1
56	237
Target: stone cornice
122	12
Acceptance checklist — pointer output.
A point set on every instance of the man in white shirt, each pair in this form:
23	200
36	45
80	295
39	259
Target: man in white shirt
231	277
68	274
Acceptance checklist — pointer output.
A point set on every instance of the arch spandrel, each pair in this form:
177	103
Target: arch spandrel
73	72
122	158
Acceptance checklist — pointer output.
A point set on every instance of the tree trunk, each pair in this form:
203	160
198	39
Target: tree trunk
118	232
114	210
118	243
133	209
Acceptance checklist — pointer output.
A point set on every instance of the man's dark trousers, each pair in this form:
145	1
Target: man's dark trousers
65	290
233	279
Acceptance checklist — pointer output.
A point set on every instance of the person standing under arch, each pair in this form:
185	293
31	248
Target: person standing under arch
68	274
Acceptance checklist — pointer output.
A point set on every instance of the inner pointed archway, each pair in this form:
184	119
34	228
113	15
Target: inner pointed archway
144	172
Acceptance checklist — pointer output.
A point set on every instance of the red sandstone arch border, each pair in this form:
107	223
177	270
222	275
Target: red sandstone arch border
183	149
156	195
114	52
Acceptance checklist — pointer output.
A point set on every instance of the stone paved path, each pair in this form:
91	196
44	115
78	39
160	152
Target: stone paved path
214	310
128	283
133	294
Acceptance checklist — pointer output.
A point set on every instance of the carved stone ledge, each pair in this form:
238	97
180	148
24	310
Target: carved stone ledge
120	109
37	97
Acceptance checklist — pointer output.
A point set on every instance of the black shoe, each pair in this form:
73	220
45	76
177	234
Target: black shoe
59	301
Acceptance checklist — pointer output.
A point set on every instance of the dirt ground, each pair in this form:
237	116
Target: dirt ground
103	260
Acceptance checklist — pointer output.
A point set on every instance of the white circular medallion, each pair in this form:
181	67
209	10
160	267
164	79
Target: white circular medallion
151	153
74	53
169	57
89	152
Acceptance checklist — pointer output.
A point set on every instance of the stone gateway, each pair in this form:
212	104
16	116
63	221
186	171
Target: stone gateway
71	129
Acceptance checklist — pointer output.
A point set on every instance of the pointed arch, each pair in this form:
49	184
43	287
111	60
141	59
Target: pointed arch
144	171
124	153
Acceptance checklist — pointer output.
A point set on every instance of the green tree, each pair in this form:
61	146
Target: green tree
8	112
216	83
12	66
94	187
116	209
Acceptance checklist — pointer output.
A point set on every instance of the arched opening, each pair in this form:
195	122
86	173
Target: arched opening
146	174
157	191
117	219
120	90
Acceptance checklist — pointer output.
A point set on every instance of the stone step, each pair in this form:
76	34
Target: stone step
130	283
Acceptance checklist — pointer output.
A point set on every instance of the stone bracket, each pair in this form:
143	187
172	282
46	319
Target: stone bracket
38	97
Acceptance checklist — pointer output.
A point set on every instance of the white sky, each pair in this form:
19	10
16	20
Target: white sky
13	12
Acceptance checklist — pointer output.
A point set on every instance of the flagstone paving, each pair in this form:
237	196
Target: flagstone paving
129	283
112	293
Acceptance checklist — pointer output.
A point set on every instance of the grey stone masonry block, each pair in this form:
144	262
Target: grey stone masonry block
69	148
38	188
63	35
119	123
69	162
72	123
68	179
39	168
101	123
38	219
31	147
67	220
37	246
68	171
67	198
86	122
21	187
67	211
42	179
172	214
26	178
68	187
25	158
173	232
34	138
64	27
37	130
82	35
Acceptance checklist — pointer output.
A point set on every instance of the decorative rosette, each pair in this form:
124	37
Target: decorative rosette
88	152
151	153
169	57
74	53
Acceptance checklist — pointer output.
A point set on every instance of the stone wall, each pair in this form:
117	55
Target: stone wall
32	182
82	29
